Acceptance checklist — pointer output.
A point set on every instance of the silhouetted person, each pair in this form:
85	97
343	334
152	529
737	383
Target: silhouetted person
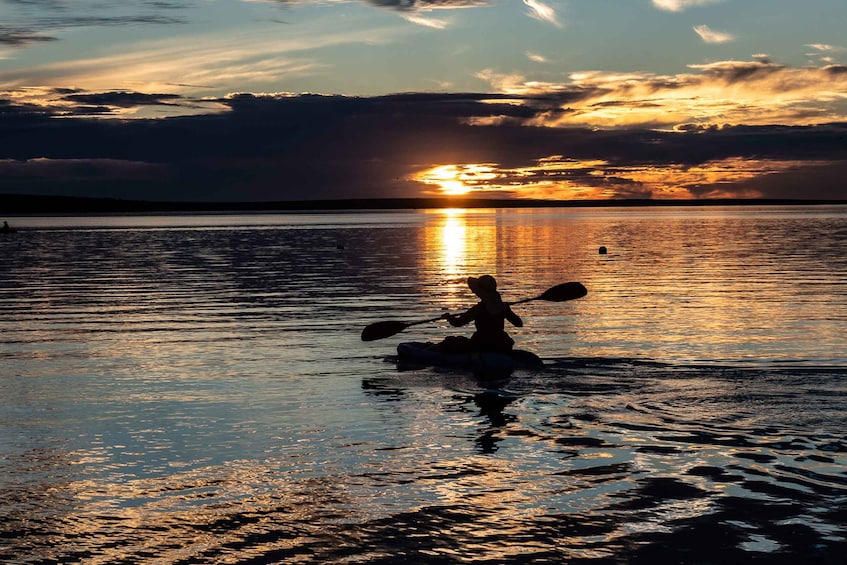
6	228
489	317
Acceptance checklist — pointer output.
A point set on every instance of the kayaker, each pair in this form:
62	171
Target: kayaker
489	317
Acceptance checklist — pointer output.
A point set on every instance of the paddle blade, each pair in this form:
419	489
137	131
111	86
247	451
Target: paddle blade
380	330
564	291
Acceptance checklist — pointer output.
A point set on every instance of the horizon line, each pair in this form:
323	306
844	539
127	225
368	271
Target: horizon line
12	204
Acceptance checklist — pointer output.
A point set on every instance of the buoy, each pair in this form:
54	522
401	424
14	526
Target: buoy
603	250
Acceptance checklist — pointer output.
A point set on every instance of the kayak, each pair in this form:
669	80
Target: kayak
484	361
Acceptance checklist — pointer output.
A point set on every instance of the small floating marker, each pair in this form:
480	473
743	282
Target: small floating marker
603	250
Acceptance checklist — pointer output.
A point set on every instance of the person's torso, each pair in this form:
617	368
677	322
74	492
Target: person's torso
487	322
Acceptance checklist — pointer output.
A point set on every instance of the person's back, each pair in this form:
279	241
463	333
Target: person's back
489	317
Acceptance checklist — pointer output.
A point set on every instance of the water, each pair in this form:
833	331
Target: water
194	390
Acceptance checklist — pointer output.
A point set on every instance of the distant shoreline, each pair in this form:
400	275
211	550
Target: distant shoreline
16	204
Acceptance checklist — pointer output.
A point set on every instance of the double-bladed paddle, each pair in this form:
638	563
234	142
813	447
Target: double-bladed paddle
559	293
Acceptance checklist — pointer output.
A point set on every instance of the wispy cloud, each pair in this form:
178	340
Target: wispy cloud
427	21
417	11
217	61
535	57
541	11
825	53
680	5
827	48
18	36
36	21
709	35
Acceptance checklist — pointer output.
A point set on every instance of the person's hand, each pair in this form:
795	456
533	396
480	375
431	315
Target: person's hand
451	318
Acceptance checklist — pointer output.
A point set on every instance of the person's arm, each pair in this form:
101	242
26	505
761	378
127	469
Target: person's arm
513	318
457	320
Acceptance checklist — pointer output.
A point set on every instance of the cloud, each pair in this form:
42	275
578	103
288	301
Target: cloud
38	21
756	92
825	52
114	102
709	35
293	147
826	48
680	5
427	5
17	37
535	57
434	23
417	11
42	20
256	60
543	12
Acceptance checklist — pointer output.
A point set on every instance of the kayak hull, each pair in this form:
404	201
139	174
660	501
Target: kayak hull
485	361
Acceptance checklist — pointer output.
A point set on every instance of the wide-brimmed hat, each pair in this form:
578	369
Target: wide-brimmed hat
482	285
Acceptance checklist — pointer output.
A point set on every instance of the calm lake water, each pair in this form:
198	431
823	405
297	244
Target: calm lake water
193	389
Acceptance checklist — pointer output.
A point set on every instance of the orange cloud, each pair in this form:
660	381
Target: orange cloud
721	93
560	178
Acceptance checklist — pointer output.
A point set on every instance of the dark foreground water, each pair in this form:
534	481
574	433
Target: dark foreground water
194	390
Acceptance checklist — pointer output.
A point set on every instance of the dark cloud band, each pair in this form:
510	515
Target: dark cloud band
306	147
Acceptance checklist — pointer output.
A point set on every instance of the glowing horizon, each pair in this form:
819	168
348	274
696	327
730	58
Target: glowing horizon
557	178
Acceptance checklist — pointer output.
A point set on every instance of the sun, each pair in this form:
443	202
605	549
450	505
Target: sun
454	187
447	178
457	180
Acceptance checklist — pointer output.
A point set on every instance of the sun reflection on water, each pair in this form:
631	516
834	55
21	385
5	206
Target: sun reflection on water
454	240
457	243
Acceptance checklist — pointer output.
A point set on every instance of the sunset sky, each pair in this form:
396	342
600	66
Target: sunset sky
288	100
